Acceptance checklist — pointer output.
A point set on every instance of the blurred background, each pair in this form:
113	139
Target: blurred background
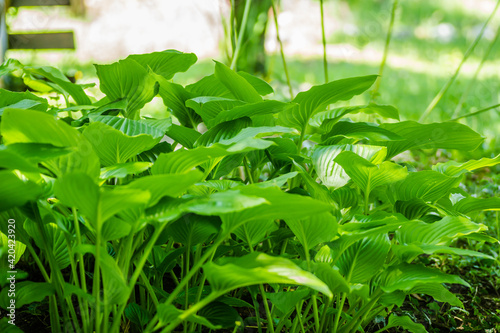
429	41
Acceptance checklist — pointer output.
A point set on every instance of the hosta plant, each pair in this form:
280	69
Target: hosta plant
230	210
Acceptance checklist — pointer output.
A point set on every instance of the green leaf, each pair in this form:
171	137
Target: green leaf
331	276
209	86
185	136
114	147
319	97
16	192
256	268
175	97
330	172
408	253
208	107
169	313
61	83
255	231
453	169
220	314
328	118
127	79
250	110
368	175
153	127
449	135
27	292
137	314
222	131
360	131
315	229
437	233
165	185
122	170
472	204
165	63
412	209
286	301
426	185
21	100
261	86
18	247
406	323
438	292
192	229
115	228
28	126
54	243
235	83
405	277
5	326
363	259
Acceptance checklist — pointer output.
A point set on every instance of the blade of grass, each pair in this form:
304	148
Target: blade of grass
447	85
477	112
323	38
474	78
386	51
285	67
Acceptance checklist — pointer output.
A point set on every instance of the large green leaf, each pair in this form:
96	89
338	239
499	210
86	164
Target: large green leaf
315	229
453	169
330	172
28	126
55	241
437	233
153	127
122	170
406	323
27	292
438	292
21	100
59	82
449	135
183	135
223	131
327	119
98	205
208	107
256	268
165	185
114	147
174	97
472	204
235	83
16	192
169	313
405	277
192	229
360	131
426	185
165	63
221	315
368	175
255	231
127	79
319	97
250	110
287	300
363	259
331	276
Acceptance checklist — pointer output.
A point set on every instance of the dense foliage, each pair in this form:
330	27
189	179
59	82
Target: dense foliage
233	210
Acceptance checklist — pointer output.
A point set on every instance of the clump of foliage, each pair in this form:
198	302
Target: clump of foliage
232	211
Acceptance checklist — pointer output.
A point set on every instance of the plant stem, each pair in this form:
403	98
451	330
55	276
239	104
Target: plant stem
241	34
323	316
340	307
477	112
285	67
476	73
386	51
83	282
247	170
445	88
323	39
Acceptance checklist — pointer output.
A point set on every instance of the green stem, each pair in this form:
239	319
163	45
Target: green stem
247	170
367	202
354	322
83	282
445	88
285	67
386	51
323	39
241	34
149	288
299	316
476	73
97	280
477	112
323	316
340	308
